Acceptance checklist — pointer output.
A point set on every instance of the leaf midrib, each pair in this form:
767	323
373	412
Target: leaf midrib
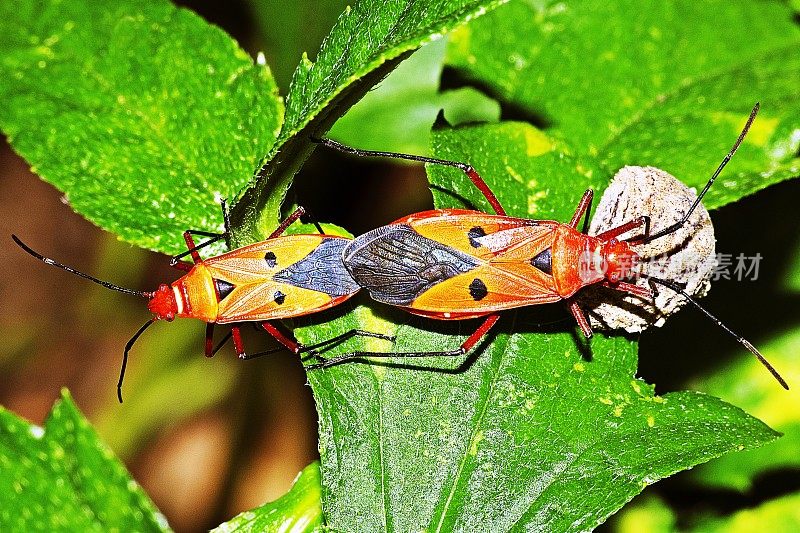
478	423
683	85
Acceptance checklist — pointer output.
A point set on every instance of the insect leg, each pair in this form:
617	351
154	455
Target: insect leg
209	346
192	249
631	288
467	169
465	347
580	318
125	353
299	212
238	345
221	343
626	227
314	221
328	344
584	206
290	344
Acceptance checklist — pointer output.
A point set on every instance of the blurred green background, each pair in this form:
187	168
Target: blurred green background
211	438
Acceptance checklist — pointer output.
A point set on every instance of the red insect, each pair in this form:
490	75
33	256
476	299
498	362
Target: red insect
283	277
453	264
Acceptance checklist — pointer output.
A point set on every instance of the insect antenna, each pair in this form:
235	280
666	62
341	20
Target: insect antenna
55	263
744	342
676	226
128	347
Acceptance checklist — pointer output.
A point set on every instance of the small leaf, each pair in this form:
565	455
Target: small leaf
142	113
368	41
63	478
299	510
615	79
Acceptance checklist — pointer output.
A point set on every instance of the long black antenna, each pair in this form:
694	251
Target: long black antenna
676	226
55	263
744	342
128	347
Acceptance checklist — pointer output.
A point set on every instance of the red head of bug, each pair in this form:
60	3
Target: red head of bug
619	260
163	303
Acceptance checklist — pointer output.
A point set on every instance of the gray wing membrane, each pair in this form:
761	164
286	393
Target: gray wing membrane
322	270
396	264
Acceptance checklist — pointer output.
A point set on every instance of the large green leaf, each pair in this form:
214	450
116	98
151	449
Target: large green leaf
63	478
367	42
656	83
530	435
142	113
535	430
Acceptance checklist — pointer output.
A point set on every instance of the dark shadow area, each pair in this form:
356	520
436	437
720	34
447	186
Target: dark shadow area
456	79
688	344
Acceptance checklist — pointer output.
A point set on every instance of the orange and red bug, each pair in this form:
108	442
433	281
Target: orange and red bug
282	277
452	264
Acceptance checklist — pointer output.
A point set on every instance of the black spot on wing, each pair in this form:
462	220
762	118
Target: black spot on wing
397	264
478	290
321	270
271	259
279	297
544	261
474	234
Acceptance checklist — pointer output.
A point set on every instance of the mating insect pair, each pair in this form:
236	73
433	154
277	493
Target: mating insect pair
447	264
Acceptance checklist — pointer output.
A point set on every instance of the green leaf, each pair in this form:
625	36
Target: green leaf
615	79
298	510
143	114
534	175
63	478
530	435
367	42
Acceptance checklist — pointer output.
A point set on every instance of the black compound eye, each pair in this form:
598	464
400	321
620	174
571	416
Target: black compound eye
478	290
271	259
279	297
223	288
474	234
544	261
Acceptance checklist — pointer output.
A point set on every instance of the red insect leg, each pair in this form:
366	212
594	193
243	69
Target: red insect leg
642	292
626	227
290	344
299	212
485	190
583	207
580	318
238	345
464	167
